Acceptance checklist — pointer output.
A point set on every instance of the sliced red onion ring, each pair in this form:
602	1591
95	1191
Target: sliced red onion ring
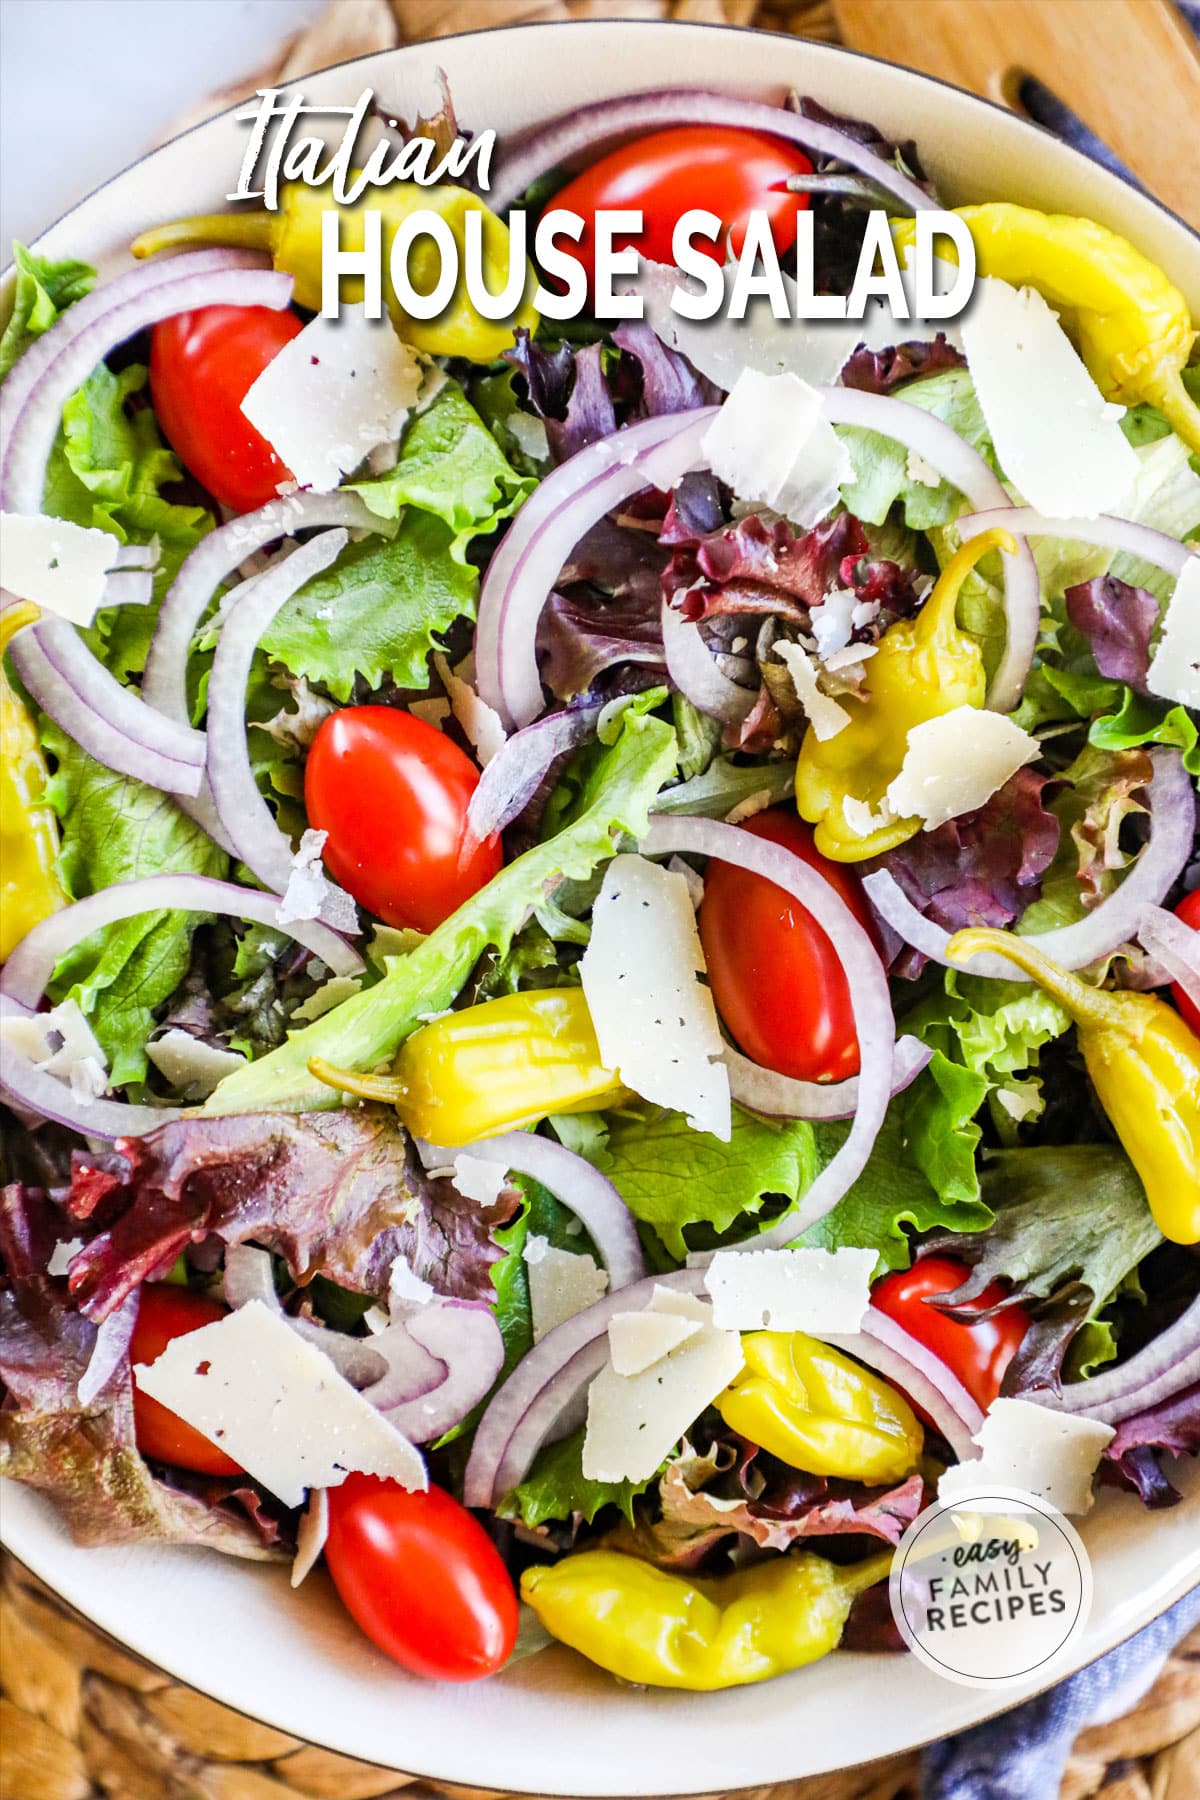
694	670
1114	922
30	414
938	444
782	1096
545	531
511	778
1107	532
1167	1365
84	713
215	558
589	1194
32	1091
365	1362
29	968
924	1377
869	997
113	1337
464	1337
546	1384
550	145
1174	946
246	818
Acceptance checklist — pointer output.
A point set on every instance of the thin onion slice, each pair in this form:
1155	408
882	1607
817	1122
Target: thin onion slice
887	1347
1114	922
114	1335
32	1091
589	1194
546	1384
1106	532
215	558
1167	1365
464	1336
246	818
524	569
940	446
695	671
511	778
784	1097
550	145
1174	946
29	968
870	1000
31	404
107	732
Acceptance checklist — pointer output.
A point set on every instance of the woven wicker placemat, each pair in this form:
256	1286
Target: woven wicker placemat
80	1717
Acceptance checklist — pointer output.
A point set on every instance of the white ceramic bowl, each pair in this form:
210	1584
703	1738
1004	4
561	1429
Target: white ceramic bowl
554	1724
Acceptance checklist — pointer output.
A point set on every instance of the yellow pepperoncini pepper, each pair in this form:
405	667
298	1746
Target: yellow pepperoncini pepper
683	1631
921	668
1131	324
29	885
292	236
492	1067
817	1410
1144	1062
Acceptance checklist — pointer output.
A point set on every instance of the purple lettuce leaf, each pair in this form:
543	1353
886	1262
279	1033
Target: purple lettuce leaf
579	637
882	371
1117	621
982	869
665	381
1133	1459
338	1193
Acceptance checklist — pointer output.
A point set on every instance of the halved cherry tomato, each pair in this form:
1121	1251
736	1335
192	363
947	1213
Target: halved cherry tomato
166	1312
776	978
721	169
421	1577
392	792
1189	911
202	365
978	1354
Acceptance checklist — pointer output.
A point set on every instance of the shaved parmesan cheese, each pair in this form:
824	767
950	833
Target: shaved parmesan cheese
954	764
431	712
191	1065
681	1306
276	1404
481	722
817	1291
529	435
1058	440
332	394
634	1421
62	568
860	818
479	1178
1022	1445
832	622
61	1041
62	1256
310	895
1174	672
331	993
746	809
656	1025
771	442
561	1284
723	348
311	1535
920	471
406	1290
638	1340
825	716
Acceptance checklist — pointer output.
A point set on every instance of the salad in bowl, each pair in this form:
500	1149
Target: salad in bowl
601	989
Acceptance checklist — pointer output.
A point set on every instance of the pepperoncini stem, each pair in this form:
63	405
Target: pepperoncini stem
1086	1005
367	1087
240	231
1178	408
936	619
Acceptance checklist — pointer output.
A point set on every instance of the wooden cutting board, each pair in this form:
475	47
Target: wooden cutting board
1130	69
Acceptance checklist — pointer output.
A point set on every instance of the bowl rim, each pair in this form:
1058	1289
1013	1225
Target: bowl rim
822	50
